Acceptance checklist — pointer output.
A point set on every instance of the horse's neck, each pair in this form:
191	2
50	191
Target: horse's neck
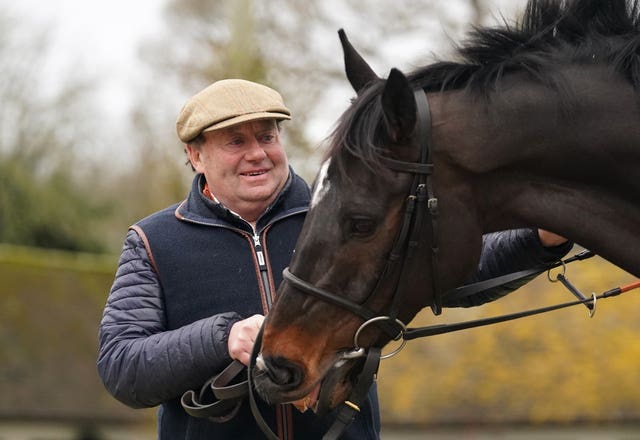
596	117
574	173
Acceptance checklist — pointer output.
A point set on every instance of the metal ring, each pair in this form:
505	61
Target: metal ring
564	270
403	329
592	309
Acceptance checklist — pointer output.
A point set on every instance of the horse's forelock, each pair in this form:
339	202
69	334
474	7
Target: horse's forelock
360	132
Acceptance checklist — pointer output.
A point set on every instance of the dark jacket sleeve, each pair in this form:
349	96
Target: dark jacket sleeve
505	252
141	363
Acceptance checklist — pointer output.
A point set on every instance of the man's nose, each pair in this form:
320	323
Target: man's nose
255	151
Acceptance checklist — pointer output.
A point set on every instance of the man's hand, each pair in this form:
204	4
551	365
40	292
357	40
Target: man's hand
549	239
242	337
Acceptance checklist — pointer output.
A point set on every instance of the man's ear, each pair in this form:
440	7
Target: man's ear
194	157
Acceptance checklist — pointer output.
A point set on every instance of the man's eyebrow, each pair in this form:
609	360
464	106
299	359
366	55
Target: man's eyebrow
231	131
267	125
264	126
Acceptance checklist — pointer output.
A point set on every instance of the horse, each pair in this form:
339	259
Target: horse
536	124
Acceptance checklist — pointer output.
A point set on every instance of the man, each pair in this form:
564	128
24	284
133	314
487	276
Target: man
195	280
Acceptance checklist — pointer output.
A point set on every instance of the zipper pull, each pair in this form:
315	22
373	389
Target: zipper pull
258	246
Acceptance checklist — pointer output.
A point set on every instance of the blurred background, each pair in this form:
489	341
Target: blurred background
90	92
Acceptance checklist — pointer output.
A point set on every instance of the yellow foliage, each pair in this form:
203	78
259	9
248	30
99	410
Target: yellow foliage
558	367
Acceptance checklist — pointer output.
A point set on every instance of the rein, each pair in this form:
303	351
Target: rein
221	396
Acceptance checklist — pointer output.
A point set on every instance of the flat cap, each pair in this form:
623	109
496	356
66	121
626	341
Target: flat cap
228	102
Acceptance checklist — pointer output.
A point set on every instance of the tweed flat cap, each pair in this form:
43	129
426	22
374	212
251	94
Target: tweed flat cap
228	102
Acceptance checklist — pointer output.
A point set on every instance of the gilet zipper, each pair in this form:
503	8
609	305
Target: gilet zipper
264	274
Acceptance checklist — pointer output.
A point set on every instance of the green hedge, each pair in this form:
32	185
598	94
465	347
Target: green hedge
50	306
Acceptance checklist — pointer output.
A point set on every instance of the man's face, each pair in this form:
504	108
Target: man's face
245	165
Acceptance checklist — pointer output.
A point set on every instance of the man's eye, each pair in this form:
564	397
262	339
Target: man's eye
235	142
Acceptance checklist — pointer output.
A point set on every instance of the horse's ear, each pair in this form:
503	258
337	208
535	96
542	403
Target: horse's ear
359	73
399	106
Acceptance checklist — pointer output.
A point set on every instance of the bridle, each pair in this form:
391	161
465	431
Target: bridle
421	201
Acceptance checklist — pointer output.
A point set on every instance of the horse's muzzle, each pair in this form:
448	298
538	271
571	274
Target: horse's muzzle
281	372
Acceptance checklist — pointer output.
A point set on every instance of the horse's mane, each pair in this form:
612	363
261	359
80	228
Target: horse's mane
551	33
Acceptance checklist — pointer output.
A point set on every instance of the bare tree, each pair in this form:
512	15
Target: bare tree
44	200
292	45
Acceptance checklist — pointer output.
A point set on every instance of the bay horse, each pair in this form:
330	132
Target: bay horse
536	125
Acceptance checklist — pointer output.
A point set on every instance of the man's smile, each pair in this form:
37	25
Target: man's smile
254	173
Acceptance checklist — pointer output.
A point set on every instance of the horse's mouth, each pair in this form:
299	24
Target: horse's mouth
320	397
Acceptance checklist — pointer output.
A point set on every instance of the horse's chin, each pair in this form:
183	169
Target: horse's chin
336	386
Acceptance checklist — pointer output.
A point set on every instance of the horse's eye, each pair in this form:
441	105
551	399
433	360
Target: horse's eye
361	227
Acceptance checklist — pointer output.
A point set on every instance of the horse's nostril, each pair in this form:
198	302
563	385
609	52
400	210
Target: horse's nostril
283	372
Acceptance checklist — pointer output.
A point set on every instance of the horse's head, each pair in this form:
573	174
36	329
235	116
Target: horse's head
520	127
349	247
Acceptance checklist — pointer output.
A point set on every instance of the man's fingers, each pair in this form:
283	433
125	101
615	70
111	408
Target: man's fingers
242	337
